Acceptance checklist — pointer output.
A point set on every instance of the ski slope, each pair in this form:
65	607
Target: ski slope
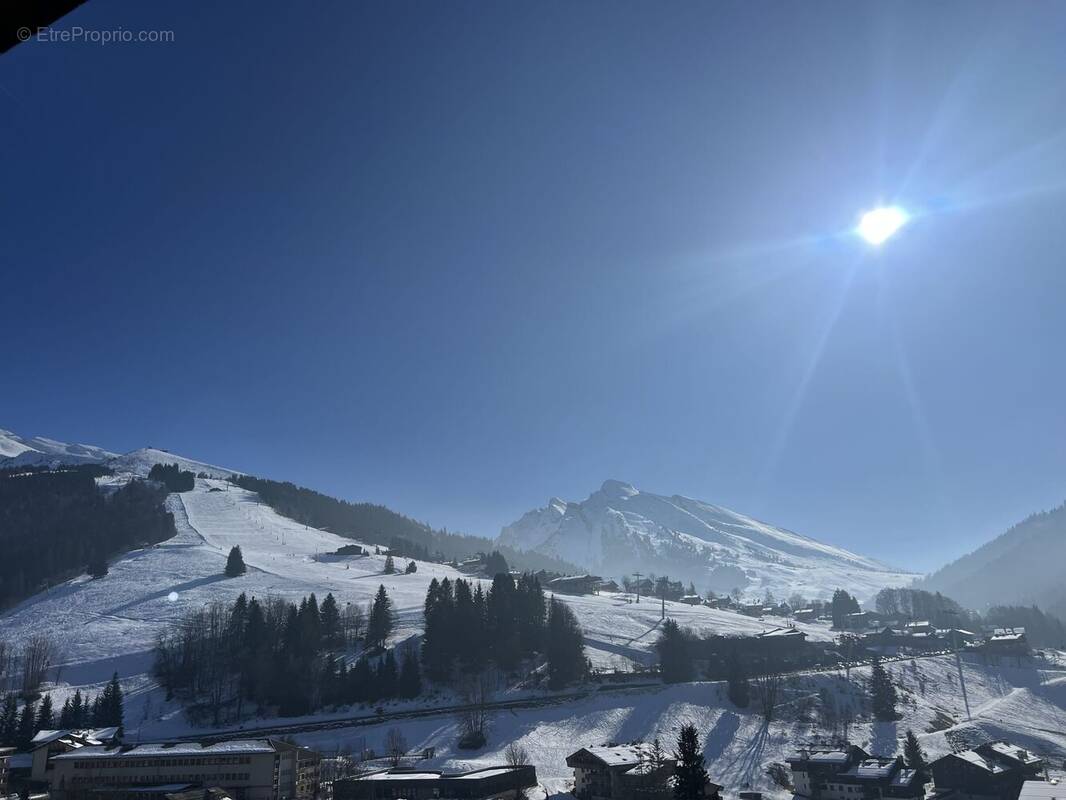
111	624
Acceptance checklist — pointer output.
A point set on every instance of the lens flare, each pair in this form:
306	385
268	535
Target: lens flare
880	224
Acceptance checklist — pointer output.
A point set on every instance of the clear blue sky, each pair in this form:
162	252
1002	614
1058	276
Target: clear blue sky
460	257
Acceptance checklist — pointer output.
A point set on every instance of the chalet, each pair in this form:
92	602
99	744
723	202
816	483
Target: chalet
691	600
625	772
804	614
781	641
479	784
850	773
575	584
751	609
610	586
995	770
1007	642
921	626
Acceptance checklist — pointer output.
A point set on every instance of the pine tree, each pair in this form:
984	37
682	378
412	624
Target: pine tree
77	711
566	646
412	568
410	684
882	693
387	676
26	726
331	622
9	719
45	720
390	567
675	659
690	775
842	605
110	711
235	562
380	621
913	753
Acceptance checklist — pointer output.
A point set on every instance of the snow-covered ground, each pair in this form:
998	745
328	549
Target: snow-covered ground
1024	705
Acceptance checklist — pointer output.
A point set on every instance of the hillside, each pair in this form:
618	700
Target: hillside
1022	566
620	529
1025	705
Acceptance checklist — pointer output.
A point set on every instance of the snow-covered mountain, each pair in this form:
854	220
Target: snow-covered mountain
20	451
620	529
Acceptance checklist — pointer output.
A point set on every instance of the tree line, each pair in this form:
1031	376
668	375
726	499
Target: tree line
468	630
56	523
283	655
221	660
173	477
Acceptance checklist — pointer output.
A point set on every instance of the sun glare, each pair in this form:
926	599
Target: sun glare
881	223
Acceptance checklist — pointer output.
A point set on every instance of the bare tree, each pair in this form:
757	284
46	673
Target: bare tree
767	689
37	657
395	746
353	621
473	719
515	755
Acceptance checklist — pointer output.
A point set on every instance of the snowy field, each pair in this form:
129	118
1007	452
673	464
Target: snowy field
1023	705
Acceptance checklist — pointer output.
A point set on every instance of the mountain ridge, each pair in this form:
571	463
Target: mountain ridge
619	529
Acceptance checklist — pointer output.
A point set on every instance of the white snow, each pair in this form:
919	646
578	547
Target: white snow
17	450
619	529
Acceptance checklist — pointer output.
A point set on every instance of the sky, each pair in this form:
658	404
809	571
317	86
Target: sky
459	258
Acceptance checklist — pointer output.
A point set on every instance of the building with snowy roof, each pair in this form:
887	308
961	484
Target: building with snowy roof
49	743
247	769
625	772
850	773
994	770
487	783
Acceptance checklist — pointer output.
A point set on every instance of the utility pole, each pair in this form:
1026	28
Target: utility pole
638	576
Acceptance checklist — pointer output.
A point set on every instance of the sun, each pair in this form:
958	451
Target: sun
878	225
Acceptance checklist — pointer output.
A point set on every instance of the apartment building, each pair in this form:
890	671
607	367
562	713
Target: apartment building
248	769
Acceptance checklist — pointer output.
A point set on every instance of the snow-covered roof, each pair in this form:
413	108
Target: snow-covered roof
1013	752
620	754
484	773
821	756
872	769
779	632
174	749
979	761
1042	790
389	775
